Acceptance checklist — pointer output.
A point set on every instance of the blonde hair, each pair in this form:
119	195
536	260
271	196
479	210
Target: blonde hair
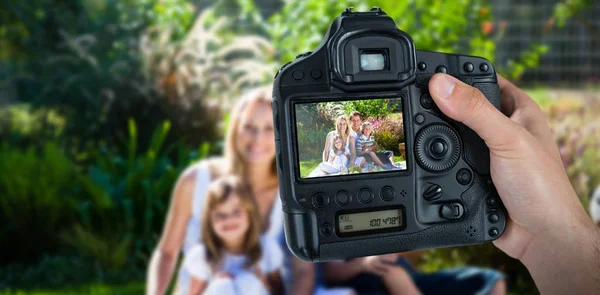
235	160
218	193
365	125
337	127
336	137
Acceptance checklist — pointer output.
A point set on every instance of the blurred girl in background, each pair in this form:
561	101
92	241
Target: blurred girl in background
232	259
249	154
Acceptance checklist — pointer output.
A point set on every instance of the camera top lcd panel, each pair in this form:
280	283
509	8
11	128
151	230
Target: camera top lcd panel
367	163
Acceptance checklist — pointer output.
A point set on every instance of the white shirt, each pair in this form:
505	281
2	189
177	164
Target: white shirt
197	265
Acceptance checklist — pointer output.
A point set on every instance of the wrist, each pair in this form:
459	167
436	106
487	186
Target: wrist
570	251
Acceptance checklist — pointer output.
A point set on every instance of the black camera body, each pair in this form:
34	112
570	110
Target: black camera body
441	196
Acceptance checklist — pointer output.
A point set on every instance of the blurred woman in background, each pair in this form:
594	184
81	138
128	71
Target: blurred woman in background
250	154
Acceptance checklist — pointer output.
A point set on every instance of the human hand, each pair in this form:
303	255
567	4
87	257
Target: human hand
545	215
378	265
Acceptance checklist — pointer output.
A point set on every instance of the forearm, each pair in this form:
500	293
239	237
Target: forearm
342	272
565	261
159	273
303	278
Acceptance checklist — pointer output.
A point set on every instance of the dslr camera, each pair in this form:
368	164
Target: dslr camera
367	163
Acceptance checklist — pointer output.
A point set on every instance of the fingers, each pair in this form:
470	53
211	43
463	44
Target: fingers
468	105
389	259
380	268
514	241
524	111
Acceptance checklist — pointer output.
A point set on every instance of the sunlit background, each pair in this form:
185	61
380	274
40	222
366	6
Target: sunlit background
103	103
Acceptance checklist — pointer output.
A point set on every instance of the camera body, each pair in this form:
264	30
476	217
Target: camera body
439	193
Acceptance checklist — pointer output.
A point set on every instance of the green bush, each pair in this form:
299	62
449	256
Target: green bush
62	273
82	61
40	195
451	26
129	196
389	133
311	139
370	108
576	128
485	255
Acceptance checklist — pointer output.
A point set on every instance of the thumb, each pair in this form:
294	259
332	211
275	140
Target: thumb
468	105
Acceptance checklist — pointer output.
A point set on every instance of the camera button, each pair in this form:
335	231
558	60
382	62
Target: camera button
484	67
452	211
493	232
326	229
468	67
493	218
438	148
441	69
464	176
320	200
342	198
432	192
316	74
419	119
298	75
492	201
426	101
387	193
422	66
365	195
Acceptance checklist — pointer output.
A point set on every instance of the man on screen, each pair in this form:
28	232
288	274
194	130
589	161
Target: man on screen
355	122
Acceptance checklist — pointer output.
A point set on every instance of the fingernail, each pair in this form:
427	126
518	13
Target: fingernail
444	85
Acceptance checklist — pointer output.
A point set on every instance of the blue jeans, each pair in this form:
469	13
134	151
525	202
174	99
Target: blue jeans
460	280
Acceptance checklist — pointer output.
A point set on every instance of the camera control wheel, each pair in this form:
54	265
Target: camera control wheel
437	148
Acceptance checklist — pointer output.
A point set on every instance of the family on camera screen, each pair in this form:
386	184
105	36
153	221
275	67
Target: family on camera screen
361	142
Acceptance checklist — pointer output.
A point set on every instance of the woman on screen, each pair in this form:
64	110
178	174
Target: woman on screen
342	129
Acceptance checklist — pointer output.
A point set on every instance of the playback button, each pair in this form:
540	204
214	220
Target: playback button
365	195
320	200
342	198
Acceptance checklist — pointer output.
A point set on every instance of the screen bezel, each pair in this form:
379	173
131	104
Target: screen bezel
403	96
370	232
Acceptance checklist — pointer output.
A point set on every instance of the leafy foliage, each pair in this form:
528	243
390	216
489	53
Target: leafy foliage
456	26
65	275
110	217
92	74
130	193
38	200
370	108
389	133
575	126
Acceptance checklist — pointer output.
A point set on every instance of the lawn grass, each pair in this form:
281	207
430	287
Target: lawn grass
93	289
307	166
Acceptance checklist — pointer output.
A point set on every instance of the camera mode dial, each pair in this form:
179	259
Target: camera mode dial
437	148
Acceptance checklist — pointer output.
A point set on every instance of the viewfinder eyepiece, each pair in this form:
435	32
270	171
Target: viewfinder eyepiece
374	60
